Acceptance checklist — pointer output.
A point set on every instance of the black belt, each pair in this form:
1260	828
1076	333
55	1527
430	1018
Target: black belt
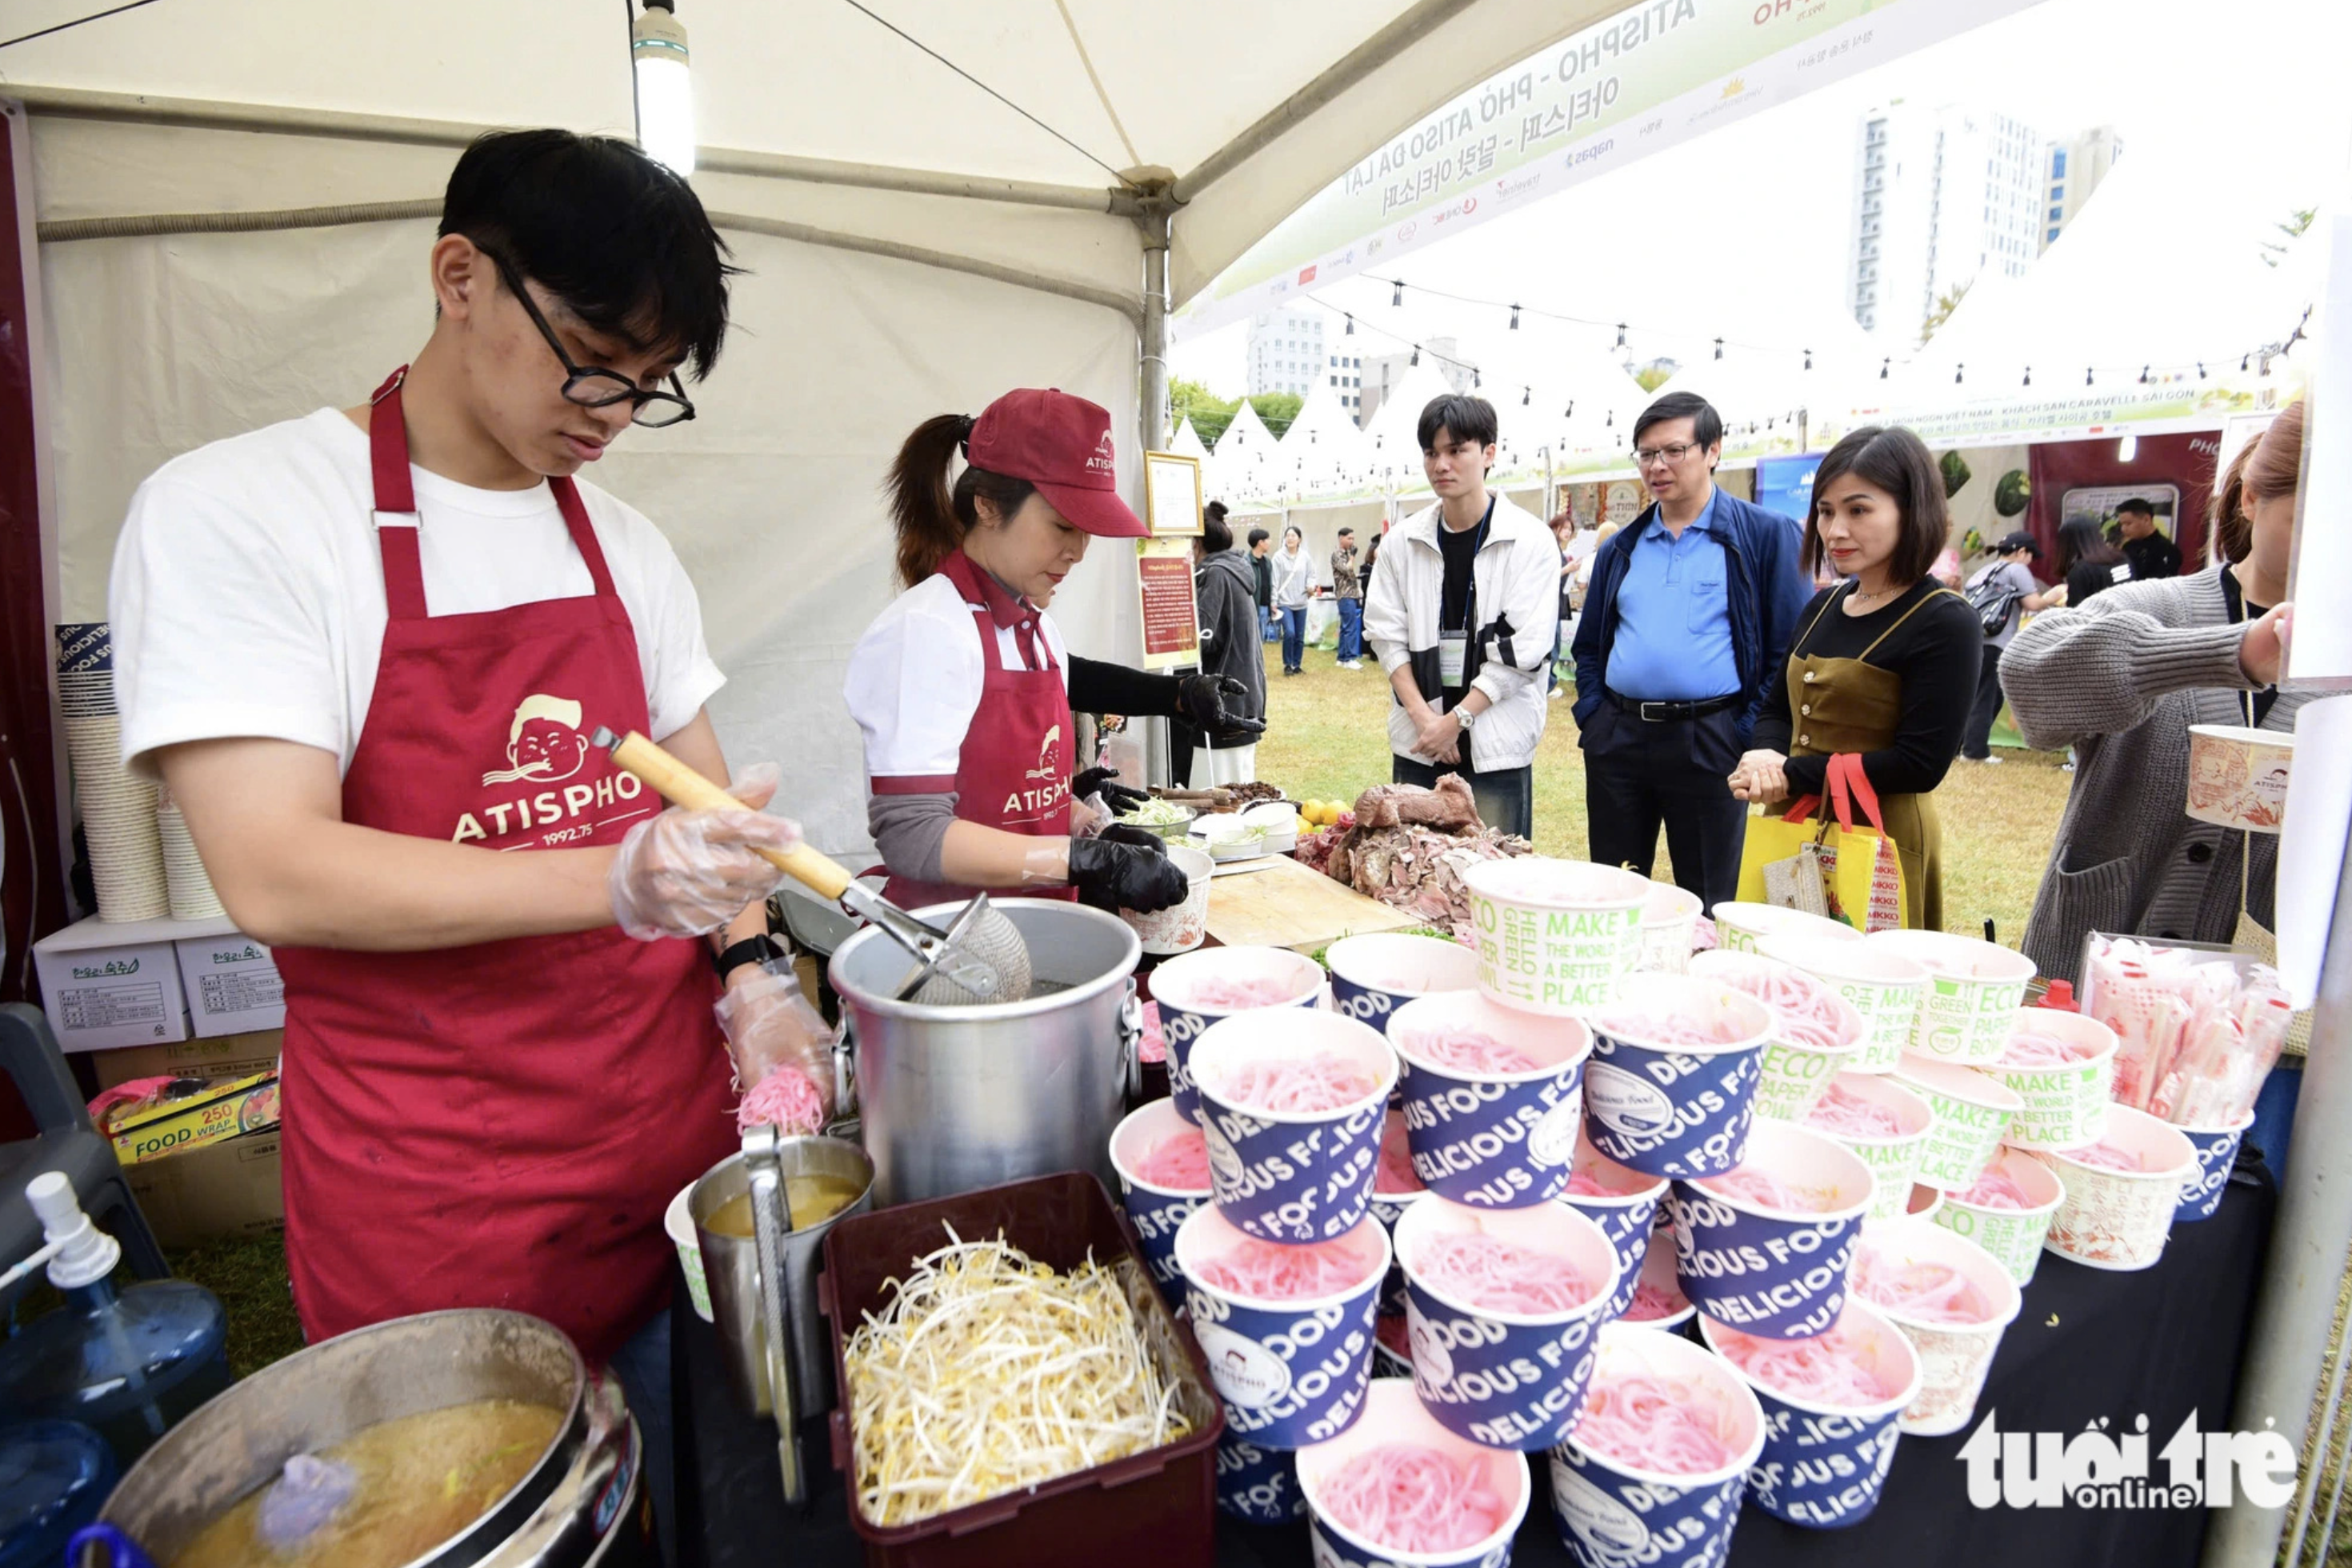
1667	712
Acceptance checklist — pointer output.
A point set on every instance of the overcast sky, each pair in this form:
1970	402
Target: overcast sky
1743	233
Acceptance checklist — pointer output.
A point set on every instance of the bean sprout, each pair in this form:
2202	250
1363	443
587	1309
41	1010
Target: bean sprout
988	1372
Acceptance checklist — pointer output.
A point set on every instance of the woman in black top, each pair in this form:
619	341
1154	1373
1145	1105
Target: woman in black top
1884	663
2087	562
1226	588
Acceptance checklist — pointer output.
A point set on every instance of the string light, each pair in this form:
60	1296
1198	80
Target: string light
1397	299
1956	373
1883	365
1515	318
2087	380
2143	375
2200	369
1809	358
1620	334
2028	376
1416	353
1351	326
1526	397
1718	348
2245	362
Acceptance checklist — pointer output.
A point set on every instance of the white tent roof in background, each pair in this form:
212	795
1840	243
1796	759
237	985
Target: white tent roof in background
1244	465
1323	443
822	115
1395	428
1187	442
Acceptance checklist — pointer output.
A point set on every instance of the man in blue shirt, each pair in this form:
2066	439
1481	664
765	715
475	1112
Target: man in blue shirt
1691	609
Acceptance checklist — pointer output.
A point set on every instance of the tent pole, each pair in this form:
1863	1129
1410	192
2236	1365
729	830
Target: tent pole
1157	220
2288	1342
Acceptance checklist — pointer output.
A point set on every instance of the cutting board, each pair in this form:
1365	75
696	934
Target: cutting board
1288	905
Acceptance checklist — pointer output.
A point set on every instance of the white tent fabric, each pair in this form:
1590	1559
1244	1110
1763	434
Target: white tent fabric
824	134
1323	449
1187	442
1247	460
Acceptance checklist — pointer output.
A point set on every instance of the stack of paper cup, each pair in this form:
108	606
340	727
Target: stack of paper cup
190	887
118	810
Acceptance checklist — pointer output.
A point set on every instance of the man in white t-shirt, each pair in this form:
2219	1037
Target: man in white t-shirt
364	648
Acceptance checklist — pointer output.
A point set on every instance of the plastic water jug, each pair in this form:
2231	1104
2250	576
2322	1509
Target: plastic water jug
53	1477
127	1363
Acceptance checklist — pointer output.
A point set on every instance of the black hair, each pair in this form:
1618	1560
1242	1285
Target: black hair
1346	533
1706	425
1215	535
1290	528
2083	539
2139	504
621	240
1460	416
1258	536
1217	510
1897	462
929	517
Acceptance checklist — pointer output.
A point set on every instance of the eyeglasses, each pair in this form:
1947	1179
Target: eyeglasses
590	388
1670	456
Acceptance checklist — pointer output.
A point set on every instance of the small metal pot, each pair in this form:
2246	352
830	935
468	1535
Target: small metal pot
731	1266
577	1507
955	1099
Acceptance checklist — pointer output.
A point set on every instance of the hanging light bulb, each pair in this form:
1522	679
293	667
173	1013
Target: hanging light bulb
2143	375
665	87
2200	369
1612	420
1882	365
1956	374
1351	327
2086	376
1416	353
2245	362
1475	381
1515	318
2127	448
1526	396
1572	409
1620	334
2028	376
1397	299
1809	358
1718	348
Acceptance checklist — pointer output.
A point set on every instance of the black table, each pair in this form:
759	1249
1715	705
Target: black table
2163	1342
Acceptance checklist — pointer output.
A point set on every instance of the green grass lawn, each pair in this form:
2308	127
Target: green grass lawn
1325	737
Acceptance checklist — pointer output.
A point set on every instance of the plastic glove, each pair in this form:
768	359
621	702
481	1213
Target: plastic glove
688	873
1212	704
771	1028
308	1493
1104	781
1126	869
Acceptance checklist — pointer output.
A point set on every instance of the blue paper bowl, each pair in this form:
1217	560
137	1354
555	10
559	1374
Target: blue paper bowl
1626	1216
1776	1274
1289	1372
2217	1152
1293	1176
1372	976
1393	1415
1496	1140
1258	1485
1505	1380
1669	1110
1824	1467
1179	983
1613	1514
1156	1210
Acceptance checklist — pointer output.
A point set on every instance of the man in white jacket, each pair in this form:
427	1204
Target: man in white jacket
1462	620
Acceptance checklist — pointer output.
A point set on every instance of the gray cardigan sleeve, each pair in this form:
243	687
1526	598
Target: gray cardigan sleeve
2099	669
911	831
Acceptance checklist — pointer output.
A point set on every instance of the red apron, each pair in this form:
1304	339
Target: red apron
1013	771
498	1125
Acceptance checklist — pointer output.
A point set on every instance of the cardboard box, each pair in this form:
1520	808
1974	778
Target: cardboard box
224	1055
229	1188
224	1110
102	995
232	985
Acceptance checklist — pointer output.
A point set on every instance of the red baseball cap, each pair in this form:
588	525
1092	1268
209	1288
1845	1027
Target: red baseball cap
1063	445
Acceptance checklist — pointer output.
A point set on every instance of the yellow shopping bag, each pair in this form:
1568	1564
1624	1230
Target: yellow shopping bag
1828	865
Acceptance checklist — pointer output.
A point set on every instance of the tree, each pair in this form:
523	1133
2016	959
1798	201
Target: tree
1945	305
2297	223
1209	413
1278	409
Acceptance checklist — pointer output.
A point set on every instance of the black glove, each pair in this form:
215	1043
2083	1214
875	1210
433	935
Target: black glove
1121	798
1201	701
1126	869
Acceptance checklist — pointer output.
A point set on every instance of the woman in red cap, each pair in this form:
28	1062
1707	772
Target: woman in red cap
963	687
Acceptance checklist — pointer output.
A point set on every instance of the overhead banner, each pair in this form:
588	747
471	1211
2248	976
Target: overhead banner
2168	402
1645	79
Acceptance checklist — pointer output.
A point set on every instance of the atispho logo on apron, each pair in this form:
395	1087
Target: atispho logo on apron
544	746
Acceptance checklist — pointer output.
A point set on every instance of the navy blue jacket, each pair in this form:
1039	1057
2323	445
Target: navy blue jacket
1768	589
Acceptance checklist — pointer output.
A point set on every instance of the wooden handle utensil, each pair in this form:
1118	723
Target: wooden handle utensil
681	785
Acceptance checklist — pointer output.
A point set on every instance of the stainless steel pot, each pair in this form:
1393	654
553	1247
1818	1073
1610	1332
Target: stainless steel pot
958	1097
578	1505
731	1265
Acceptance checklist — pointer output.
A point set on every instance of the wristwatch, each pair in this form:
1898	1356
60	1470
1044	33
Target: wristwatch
760	948
1464	716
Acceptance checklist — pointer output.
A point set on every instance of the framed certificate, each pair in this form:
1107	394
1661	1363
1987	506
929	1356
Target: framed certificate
1171	616
1171	494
